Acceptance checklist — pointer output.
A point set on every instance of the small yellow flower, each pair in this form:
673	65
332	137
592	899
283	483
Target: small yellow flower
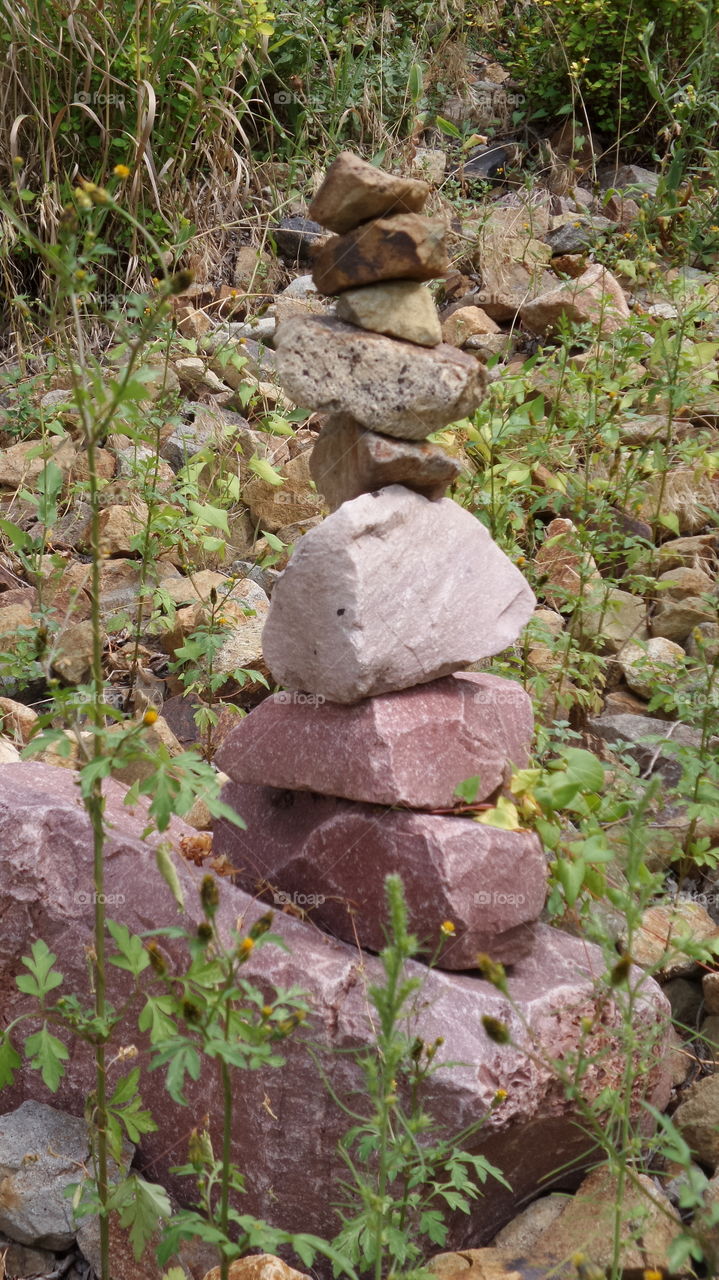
121	171
82	198
266	1010
246	946
652	1274
18	161
447	928
500	1096
714	228
150	716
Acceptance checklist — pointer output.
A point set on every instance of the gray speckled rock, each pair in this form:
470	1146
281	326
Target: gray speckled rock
410	748
287	1117
391	591
394	387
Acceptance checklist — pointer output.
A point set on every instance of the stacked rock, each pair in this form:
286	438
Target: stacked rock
352	772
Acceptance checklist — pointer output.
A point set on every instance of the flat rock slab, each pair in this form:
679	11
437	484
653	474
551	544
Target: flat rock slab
393	387
330	857
348	460
391	591
286	1122
406	247
398	308
410	748
42	1152
354	191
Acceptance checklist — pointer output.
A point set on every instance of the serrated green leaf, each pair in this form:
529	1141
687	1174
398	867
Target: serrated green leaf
133	956
10	1061
47	1054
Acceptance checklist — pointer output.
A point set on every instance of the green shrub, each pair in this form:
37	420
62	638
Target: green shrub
613	62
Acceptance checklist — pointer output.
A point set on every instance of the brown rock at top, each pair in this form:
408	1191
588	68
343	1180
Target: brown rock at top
407	246
330	857
410	748
391	591
394	387
45	882
354	191
347	460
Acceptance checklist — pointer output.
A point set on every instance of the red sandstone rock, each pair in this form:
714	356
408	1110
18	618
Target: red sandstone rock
331	857
347	461
286	1123
410	748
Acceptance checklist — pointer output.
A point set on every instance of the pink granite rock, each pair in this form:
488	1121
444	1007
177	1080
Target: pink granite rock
410	748
391	591
286	1122
332	856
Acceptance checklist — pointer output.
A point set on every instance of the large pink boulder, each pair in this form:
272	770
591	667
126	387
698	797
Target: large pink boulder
331	857
410	748
286	1121
390	591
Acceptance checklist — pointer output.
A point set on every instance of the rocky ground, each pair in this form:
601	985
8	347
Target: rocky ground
593	461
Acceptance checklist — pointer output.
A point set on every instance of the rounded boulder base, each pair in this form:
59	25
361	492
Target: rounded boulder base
288	1117
331	857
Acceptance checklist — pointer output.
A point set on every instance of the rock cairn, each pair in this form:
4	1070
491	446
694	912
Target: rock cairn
351	773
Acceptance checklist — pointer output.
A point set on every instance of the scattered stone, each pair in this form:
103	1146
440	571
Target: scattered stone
14	617
192	323
678	583
586	1223
676	619
298	239
631	177
594	297
657	943
407	246
613	616
354	191
621	209
331	857
158	736
684	492
258	1266
520	1235
244	608
486	345
17	720
72	653
384	573
703	641
654	744
710	991
697	1119
699	552
347	461
685	998
195	379
274	505
575	235
42	1151
645	665
20	464
467	322
393	387
256	272
119	528
400	309
20	1260
9	753
562	564
429	163
411	748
